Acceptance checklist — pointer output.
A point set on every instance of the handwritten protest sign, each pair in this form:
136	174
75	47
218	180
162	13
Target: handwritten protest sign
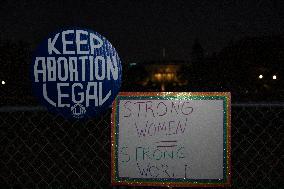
171	139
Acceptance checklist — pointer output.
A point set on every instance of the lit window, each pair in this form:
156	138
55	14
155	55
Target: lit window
170	76
274	77
158	76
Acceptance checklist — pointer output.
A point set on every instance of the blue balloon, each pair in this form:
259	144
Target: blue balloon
76	72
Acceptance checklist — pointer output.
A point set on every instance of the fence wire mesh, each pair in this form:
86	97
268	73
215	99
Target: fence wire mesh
41	150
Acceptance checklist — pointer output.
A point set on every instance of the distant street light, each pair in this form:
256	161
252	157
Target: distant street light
274	77
133	64
260	76
3	82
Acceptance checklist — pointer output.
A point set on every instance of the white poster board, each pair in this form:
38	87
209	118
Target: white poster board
171	139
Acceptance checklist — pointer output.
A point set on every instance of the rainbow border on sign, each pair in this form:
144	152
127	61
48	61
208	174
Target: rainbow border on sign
173	182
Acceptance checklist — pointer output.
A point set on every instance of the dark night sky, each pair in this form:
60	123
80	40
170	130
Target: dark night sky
140	29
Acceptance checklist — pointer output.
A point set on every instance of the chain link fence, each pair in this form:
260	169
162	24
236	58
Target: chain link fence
41	150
